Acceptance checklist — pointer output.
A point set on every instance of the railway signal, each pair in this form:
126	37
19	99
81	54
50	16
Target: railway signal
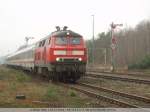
27	39
113	43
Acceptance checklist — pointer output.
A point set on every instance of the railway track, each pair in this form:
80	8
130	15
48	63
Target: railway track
117	77
133	74
118	98
141	101
95	93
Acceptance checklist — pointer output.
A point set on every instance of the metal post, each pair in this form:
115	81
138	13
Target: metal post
93	42
113	44
112	59
105	53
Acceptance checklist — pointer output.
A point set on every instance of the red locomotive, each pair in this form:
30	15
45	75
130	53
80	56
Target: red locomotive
60	56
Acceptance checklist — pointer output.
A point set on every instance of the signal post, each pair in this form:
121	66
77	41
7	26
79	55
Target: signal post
113	45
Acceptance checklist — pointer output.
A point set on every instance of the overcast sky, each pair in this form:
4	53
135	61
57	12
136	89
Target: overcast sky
38	18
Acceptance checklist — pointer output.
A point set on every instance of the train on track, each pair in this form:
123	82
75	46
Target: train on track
61	56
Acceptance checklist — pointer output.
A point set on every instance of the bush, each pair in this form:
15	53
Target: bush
72	93
143	64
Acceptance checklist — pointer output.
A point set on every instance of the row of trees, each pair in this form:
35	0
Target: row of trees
133	44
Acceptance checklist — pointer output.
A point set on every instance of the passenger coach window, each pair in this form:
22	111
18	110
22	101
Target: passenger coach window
61	40
75	40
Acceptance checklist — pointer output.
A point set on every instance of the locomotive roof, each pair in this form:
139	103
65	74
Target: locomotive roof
63	33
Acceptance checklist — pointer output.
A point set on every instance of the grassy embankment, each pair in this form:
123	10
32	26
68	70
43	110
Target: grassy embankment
14	82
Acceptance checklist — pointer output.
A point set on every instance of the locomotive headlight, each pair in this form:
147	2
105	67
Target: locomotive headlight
57	59
60	52
77	52
80	59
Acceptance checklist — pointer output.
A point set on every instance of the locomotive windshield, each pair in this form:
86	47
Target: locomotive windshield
65	41
75	41
61	40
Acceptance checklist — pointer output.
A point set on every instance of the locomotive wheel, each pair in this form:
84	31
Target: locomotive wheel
35	70
45	72
50	75
60	76
64	78
73	78
54	77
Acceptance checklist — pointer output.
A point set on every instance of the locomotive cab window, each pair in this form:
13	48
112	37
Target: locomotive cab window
61	40
42	43
75	41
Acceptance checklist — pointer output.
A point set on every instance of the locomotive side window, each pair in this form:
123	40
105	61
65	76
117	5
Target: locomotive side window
75	41
47	42
43	42
40	44
61	40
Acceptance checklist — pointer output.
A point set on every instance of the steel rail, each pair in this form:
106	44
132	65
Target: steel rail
99	75
98	96
138	74
140	98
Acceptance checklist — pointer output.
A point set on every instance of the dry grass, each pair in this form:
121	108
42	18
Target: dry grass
14	82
